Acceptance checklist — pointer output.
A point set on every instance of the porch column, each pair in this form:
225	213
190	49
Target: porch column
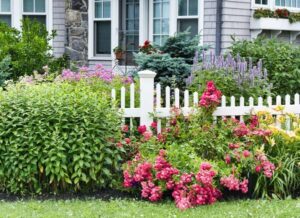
114	26
144	21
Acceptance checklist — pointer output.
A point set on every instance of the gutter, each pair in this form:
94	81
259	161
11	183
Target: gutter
219	21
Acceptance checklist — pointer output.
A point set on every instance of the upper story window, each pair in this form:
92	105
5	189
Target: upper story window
35	10
187	7
261	2
102	27
288	3
5	11
188	16
160	21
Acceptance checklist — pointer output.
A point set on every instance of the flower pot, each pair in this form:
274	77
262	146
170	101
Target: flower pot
119	55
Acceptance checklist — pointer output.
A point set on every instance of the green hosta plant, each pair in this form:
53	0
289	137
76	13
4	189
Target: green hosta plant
57	137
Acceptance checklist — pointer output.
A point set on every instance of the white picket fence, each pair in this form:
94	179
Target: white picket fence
151	103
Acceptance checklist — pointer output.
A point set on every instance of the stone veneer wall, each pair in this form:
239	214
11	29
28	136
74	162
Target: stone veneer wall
77	31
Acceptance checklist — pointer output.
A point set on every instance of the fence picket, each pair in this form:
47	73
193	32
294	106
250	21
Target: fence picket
113	95
260	101
223	101
269	101
158	96
132	96
251	102
123	91
195	99
242	104
177	98
232	103
186	99
168	101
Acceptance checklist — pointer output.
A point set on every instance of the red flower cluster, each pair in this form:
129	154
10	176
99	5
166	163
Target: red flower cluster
211	96
265	165
188	192
142	129
282	13
233	184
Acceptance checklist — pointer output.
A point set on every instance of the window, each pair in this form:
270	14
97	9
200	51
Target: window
160	21
261	2
188	16
102	27
288	3
35	10
5	11
187	7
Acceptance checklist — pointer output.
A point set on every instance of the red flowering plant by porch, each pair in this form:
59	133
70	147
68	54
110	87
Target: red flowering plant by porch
194	160
147	48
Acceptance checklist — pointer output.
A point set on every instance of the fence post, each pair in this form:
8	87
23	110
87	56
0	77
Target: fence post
146	96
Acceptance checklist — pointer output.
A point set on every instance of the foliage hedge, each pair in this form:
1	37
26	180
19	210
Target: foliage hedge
57	137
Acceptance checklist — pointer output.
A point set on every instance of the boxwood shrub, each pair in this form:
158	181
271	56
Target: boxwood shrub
57	137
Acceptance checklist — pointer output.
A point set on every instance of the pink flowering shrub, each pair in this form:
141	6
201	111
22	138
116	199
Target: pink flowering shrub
188	189
171	162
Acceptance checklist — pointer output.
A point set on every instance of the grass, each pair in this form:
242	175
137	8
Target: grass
132	208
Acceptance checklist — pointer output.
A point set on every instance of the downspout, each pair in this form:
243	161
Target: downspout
219	21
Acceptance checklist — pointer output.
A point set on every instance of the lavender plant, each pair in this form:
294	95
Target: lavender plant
234	75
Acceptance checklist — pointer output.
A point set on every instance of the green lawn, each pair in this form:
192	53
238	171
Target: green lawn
132	208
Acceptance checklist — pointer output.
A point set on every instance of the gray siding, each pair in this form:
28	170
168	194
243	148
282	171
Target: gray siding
59	26
236	21
209	28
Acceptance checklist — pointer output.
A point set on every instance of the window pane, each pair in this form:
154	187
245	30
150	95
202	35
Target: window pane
103	37
156	40
165	26
165	10
5	6
264	2
182	7
298	3
191	24
156	27
193	7
28	6
277	2
156	9
38	18
130	11
40	6
130	25
106	9
5	19
98	10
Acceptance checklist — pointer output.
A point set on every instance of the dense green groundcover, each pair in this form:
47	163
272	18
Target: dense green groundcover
132	208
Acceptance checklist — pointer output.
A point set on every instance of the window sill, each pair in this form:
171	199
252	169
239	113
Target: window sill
101	58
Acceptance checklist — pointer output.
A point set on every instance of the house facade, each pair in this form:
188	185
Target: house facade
89	30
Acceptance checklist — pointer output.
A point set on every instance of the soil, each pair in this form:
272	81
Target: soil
104	195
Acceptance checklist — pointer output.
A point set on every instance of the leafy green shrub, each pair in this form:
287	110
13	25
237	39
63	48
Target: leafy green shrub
57	137
170	71
281	59
182	45
29	49
5	70
172	61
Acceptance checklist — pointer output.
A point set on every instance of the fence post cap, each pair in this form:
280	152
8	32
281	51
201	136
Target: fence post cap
146	74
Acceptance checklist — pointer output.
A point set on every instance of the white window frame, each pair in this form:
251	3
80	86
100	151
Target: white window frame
272	6
151	19
8	13
200	17
114	19
290	8
17	14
